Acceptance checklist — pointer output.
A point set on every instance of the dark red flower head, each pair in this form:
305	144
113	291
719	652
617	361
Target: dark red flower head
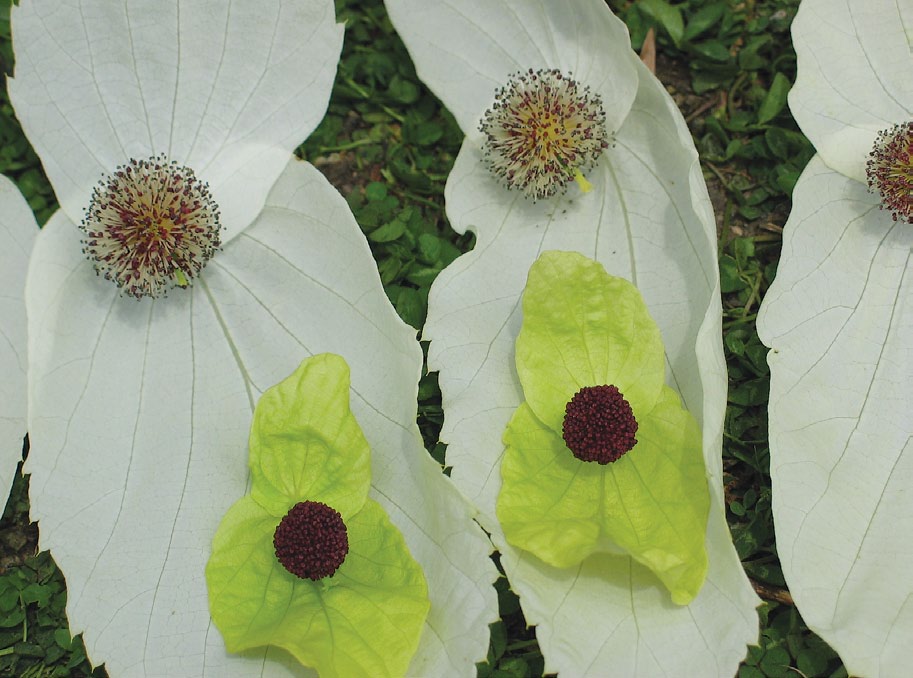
311	540
599	424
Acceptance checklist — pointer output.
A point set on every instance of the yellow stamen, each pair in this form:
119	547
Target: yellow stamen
585	185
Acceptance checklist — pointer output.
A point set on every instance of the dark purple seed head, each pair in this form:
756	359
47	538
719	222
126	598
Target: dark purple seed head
311	540
599	424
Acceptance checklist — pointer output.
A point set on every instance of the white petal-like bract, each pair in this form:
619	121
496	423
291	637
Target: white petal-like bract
227	89
139	416
838	320
648	219
854	60
17	233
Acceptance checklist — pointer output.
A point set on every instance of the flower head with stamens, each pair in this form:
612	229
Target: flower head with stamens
889	171
151	225
543	131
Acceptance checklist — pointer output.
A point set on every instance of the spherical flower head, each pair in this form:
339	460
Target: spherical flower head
889	170
543	131
150	226
311	541
599	424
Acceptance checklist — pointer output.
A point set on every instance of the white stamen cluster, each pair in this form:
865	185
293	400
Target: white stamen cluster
889	171
543	131
151	225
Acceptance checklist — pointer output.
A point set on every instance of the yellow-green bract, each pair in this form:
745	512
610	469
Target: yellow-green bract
583	327
305	445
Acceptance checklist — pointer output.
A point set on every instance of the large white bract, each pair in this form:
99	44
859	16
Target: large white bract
17	234
139	411
647	218
839	321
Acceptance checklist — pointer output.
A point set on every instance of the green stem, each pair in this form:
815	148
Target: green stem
345	147
419	199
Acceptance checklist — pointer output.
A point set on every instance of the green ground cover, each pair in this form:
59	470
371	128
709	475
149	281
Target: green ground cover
388	146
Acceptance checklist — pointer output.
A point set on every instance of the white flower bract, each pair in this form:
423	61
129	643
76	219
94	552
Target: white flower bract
647	218
139	411
838	321
17	235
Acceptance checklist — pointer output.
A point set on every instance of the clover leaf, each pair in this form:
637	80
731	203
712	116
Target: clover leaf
307	450
587	332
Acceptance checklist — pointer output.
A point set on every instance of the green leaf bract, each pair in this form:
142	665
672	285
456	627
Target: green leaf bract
365	619
583	327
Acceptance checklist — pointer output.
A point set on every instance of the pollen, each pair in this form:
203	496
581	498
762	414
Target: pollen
889	171
599	424
542	132
150	226
311	541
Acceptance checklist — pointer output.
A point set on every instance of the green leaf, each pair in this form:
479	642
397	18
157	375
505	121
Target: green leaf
787	177
549	502
498	641
775	663
652	503
669	17
389	231
429	247
14	618
704	19
750	58
305	443
514	667
730	281
376	190
508	601
410	303
775	99
422	133
583	327
9	599
813	662
713	50
62	638
403	91
36	593
778	142
364	620
748	393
